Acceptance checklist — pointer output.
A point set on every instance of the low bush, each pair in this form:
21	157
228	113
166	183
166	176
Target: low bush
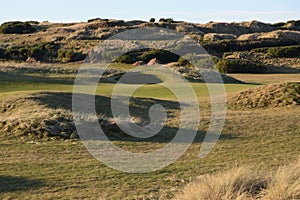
126	59
16	53
279	24
65	55
97	19
16	28
41	52
167	20
235	45
163	55
152	20
279	52
183	62
146	55
238	66
283	52
2	51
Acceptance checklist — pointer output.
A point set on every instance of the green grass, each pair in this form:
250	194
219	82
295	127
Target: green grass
63	169
66	170
64	83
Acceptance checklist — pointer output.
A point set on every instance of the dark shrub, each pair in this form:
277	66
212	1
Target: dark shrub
279	24
238	66
167	20
162	55
152	20
2	51
183	62
16	28
65	55
222	46
92	20
33	22
127	59
41	52
44	51
146	55
98	19
279	52
16	53
283	52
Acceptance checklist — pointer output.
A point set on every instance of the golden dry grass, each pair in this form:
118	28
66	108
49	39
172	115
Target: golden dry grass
284	183
237	183
243	183
272	95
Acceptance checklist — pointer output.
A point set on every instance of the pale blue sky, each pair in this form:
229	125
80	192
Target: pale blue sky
186	10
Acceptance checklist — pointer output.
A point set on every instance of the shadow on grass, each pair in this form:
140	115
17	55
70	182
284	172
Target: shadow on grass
138	108
11	183
281	70
17	78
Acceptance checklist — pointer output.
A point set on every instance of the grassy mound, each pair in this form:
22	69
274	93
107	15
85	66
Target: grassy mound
274	95
25	116
48	115
244	183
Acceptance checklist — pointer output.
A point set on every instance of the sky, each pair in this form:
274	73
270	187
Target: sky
197	11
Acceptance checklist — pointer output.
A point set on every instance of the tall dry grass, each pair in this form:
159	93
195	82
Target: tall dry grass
237	183
284	183
243	183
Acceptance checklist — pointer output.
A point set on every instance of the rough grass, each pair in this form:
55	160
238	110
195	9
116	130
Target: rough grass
284	183
237	183
64	168
24	117
32	168
67	170
273	95
245	183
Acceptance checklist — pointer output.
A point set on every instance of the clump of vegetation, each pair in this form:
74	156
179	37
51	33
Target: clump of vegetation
152	20
166	20
163	55
146	55
274	95
279	52
126	59
97	19
46	52
221	46
42	52
244	183
65	55
238	183
294	22
238	66
31	119
2	53
279	24
16	28
183	62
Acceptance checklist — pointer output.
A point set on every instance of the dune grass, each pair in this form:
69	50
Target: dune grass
245	183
